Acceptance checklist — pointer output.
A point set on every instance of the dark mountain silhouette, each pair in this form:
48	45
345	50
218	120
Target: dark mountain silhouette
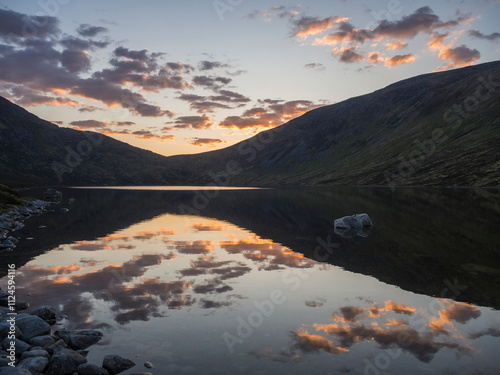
435	129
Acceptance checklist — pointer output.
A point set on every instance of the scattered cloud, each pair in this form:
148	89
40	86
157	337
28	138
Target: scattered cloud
210	65
194	122
477	34
206	141
269	114
399	60
395	45
87	30
315	66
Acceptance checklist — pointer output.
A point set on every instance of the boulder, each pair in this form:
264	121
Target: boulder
35	353
14	371
20	345
43	341
90	369
354	225
64	361
31	326
79	339
58	344
47	313
115	364
34	364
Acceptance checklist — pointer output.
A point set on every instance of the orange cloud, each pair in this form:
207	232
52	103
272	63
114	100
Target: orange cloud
399	60
395	45
399	309
206	141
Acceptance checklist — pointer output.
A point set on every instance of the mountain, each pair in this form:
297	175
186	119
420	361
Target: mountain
435	129
34	151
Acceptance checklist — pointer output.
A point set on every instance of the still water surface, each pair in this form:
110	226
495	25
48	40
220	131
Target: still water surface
257	282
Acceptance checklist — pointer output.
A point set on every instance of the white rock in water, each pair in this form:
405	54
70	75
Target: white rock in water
350	226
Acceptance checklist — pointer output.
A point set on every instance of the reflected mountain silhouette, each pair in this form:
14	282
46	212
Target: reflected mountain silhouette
439	242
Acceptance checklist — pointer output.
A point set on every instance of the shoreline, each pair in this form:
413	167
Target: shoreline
31	345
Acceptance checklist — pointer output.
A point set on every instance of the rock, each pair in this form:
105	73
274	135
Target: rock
47	313
115	364
19	306
58	344
12	239
64	209
52	195
65	361
14	371
35	353
148	365
31	326
354	225
90	369
43	341
34	364
79	339
5	328
20	345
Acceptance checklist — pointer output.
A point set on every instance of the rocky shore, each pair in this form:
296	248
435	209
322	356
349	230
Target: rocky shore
13	219
30	345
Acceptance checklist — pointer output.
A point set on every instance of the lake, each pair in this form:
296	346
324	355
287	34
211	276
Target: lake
256	281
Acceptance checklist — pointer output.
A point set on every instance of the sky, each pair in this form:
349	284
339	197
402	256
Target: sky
183	77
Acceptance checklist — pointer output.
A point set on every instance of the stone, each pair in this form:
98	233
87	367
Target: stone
31	326
64	361
79	339
115	364
5	329
90	369
148	365
43	341
34	364
354	225
14	371
35	353
20	345
47	313
58	344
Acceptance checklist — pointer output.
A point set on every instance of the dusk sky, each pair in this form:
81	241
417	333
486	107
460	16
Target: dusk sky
179	77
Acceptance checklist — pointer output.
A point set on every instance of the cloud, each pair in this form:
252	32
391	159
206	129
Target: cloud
195	247
459	56
14	25
280	11
399	60
206	141
493	331
395	45
348	54
75	61
211	82
271	114
40	67
88	124
479	35
210	65
90	31
422	20
459	312
346	32
147	134
399	309
180	67
194	122
229	97
314	343
350	313
315	66
306	26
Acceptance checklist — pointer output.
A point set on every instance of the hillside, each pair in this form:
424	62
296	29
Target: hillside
435	129
34	151
370	140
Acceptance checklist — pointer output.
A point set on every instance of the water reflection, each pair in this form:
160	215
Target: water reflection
172	286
